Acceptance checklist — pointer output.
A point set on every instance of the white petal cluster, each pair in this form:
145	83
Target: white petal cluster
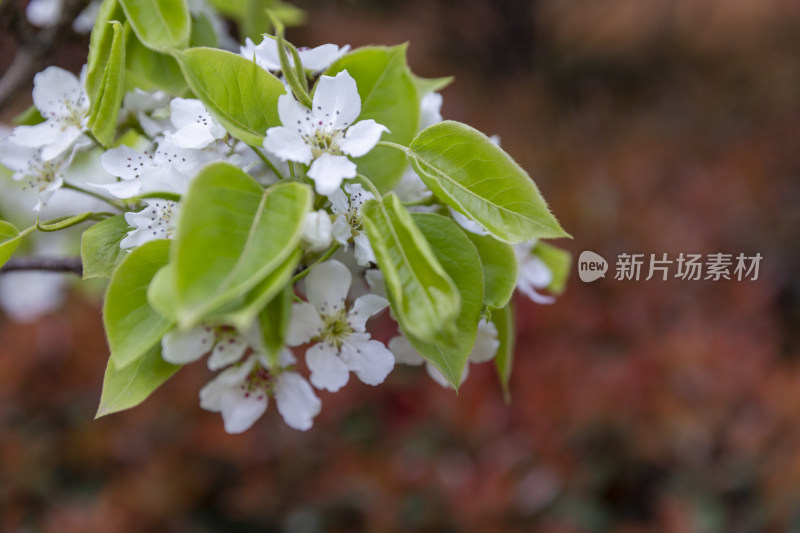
341	342
265	54
347	225
533	274
326	134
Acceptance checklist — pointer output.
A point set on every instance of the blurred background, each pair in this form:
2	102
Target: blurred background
665	126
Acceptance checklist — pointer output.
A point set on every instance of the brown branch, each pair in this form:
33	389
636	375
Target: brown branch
49	264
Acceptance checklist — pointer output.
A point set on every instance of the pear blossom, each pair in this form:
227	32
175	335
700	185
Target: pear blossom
151	110
348	221
240	393
156	221
483	350
265	54
430	110
532	273
225	343
341	341
44	13
27	164
194	125
326	134
60	98
84	22
317	229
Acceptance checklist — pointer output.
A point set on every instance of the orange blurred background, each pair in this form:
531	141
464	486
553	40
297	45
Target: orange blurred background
649	406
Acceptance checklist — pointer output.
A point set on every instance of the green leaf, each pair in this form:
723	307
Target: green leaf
149	70
231	235
100	46
253	19
161	25
424	298
161	293
274	321
503	319
132	325
558	261
471	174
431	85
242	96
389	96
128	387
105	107
29	117
203	33
460	260
100	251
246	311
229	8
10	238
499	269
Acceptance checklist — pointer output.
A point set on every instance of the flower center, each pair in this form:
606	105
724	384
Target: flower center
335	328
325	141
42	173
260	382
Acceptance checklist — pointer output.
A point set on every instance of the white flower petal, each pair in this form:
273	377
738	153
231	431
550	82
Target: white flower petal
35	136
267	54
185	112
369	359
181	347
358	196
375	281
340	204
535	272
362	137
341	230
467	223
229	349
294	115
120	189
430	110
61	143
241	409
486	343
336	100
328	371
195	136
317	230
528	290
44	13
287	145
363	250
403	352
52	87
321	57
15	157
304	324
296	401
363	308
328	171
123	162
327	286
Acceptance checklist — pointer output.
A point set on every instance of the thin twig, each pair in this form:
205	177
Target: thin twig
44	263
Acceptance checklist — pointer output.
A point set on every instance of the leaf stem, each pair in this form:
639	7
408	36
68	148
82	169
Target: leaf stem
58	224
324	257
428	200
396	146
267	162
366	181
109	201
163	195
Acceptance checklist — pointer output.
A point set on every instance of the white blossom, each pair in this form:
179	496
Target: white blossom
156	221
43	176
60	98
317	229
266	55
44	13
341	341
151	110
532	273
194	125
240	393
326	134
348	221
483	350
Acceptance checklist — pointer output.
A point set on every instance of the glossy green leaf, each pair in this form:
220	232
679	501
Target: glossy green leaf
389	96
203	33
232	233
424	298
499	269
253	19
161	293
133	327
100	46
471	174
246	310
105	106
558	261
128	387
161	25
274	322
503	319
100	251
242	96
431	85
460	260
10	239
150	70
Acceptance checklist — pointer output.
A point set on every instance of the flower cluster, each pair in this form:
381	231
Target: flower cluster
328	137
